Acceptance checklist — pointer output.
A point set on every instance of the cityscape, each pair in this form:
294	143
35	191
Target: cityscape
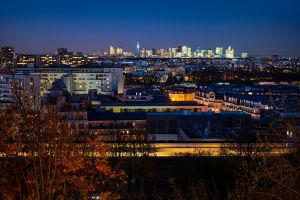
74	59
153	117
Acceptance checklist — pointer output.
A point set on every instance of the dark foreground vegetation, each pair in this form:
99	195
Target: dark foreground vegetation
42	158
201	177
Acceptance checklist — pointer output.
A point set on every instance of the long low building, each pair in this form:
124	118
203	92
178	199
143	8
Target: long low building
252	99
191	126
153	107
81	80
165	126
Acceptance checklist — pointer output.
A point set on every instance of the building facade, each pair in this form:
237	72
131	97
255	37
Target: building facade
7	57
24	83
108	81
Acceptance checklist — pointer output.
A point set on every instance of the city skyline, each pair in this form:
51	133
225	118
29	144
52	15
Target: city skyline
260	28
113	50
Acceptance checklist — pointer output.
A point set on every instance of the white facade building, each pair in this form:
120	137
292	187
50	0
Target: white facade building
26	83
108	81
229	52
244	55
219	52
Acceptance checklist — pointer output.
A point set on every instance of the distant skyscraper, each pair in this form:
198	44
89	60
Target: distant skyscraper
184	51
138	49
7	57
112	51
203	53
244	55
119	51
153	51
148	52
219	52
189	52
210	53
172	52
229	52
143	52
198	52
179	49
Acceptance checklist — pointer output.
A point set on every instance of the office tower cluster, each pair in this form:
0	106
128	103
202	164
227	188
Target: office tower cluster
186	52
10	59
115	51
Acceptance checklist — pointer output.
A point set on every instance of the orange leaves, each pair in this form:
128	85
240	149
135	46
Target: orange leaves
91	187
108	196
44	161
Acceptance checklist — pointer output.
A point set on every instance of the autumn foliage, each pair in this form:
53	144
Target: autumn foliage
41	160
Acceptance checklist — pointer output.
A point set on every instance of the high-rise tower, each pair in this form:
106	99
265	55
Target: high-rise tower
112	51
119	51
219	52
229	52
138	49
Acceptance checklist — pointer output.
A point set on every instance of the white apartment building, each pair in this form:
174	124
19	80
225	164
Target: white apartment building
108	81
26	83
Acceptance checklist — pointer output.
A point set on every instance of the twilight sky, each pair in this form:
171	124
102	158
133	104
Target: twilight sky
260	27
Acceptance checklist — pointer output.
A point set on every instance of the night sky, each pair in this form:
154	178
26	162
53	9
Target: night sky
260	27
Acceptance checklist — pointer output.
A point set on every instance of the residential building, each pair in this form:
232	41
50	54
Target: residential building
24	83
7	57
109	80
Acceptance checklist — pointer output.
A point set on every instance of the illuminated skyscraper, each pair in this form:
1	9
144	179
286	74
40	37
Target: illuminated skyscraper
143	52
154	52
119	51
219	52
112	51
210	53
138	49
173	52
178	51
189	52
184	51
7	57
203	53
229	52
198	52
244	55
